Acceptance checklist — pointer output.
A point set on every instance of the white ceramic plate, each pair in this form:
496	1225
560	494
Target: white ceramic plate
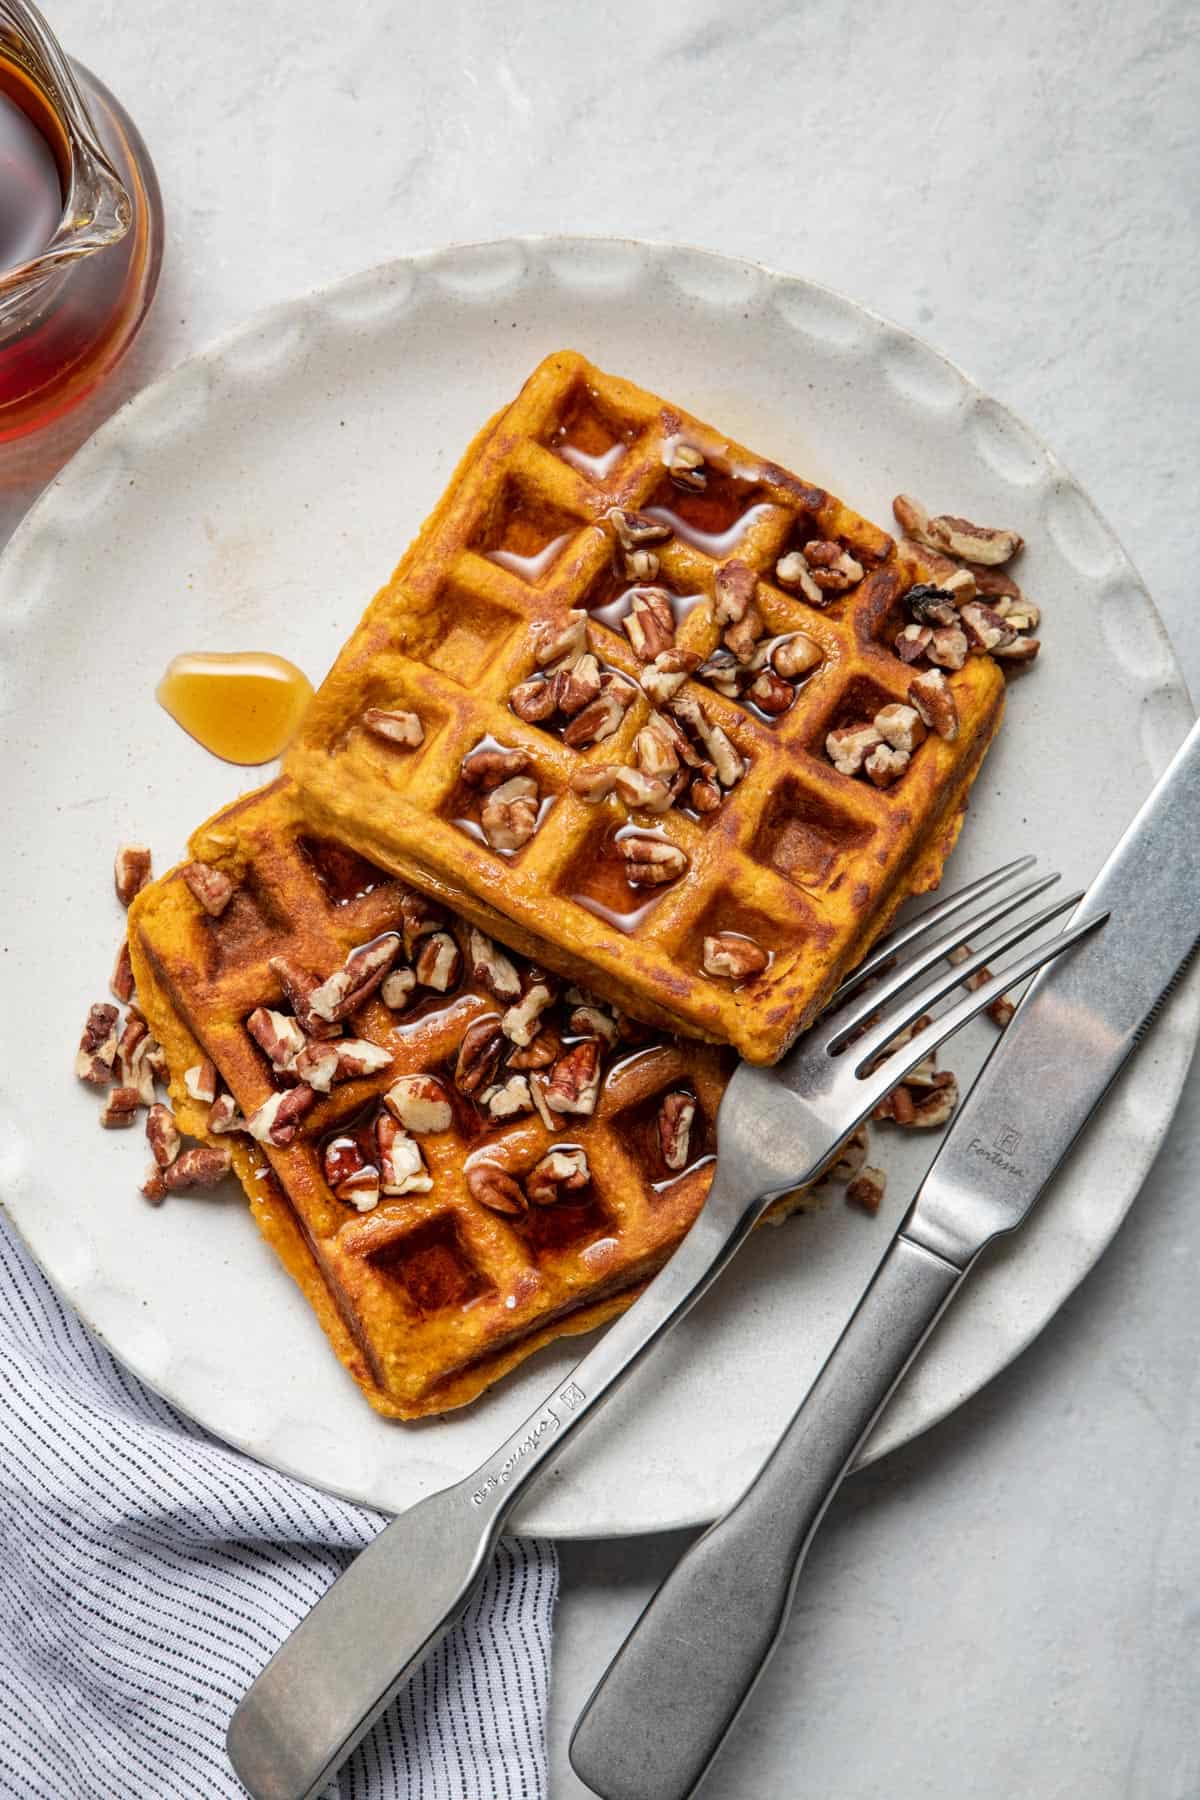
254	499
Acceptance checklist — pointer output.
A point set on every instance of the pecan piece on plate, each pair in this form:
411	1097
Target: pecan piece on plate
162	1134
203	1166
98	1045
131	871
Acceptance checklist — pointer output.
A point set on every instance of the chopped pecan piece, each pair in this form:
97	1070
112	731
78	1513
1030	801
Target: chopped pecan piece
520	1022
555	644
418	918
120	1108
402	1168
931	605
663	678
849	746
574	1083
576	686
900	726
793	573
948	647
933	698
733	955
913	642
641	565
131	871
419	1103
884	766
603	717
588	1020
851	1156
488	768
647	793
342	1159
98	1045
533	700
298	984
358	1057
203	1166
318	1064
705	795
867	1189
832	568
122	975
985	629
650	622
743	637
509	815
733	591
686	466
1016	610
153	1186
344	991
1022	650
277	1120
770	692
361	1189
728	765
543	1048
795	656
954	536
675	1119
491	1186
654	747
650	862
633	529
559	1172
211	887
949	576
134	1031
491	967
593	782
508	1100
223	1115
397	988
200	1082
278	1036
146	1062
439	962
724	672
478	1054
162	1134
396	727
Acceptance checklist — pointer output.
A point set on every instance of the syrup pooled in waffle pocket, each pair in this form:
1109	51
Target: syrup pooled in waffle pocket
657	713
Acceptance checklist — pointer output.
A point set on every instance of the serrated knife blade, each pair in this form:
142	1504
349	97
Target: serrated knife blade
1080	1021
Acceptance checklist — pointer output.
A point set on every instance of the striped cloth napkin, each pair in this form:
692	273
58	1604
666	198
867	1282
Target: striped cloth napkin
149	1571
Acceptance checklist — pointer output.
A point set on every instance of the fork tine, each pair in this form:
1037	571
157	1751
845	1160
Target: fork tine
927	920
876	1040
834	1028
873	1088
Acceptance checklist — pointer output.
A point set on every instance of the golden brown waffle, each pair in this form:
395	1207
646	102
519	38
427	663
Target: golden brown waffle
808	862
429	1297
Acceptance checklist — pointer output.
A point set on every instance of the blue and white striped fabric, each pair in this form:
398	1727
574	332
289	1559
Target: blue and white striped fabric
148	1571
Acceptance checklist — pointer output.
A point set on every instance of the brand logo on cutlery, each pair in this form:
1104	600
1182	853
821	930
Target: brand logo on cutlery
1000	1151
549	1421
572	1396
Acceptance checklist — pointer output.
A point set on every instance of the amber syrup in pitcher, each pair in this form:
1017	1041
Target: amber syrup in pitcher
32	151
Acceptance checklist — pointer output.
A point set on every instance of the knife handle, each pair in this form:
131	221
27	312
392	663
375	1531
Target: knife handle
661	1712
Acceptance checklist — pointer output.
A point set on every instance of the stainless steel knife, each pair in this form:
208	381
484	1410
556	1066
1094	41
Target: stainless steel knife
659	1715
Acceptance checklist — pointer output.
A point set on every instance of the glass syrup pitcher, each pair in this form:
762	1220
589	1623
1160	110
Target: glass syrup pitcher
80	227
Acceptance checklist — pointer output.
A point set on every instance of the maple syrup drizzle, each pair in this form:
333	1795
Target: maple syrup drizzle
530	568
604	889
243	706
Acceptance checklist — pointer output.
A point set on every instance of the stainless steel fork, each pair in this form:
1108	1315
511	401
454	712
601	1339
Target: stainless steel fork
777	1129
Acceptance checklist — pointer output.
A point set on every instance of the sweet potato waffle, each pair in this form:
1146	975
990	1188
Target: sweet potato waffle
803	862
429	1295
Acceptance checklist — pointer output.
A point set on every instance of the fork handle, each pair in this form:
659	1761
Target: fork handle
661	1712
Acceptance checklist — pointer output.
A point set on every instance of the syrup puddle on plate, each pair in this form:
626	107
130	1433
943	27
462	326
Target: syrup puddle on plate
244	706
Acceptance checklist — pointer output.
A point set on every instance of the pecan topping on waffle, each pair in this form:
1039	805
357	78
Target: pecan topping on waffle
731	954
508	1099
948	647
520	1022
733	592
649	862
491	966
933	698
795	656
439	962
401	1166
793	573
574	1083
563	643
900	726
634	529
575	686
418	918
533	700
397	988
849	746
543	1048
223	1115
559	1172
479	1054
931	605
277	1036
985	628
278	1119
686	466
662	680
593	782
510	813
298	985
318	1064
832	569
203	1166
496	1189
489	768
212	887
771	693
200	1082
650	622
603	717
131	871
396	727
705	795
728	765
648	793
913	642
344	991
98	1045
419	1103
357	1058
884	766
675	1119
954	536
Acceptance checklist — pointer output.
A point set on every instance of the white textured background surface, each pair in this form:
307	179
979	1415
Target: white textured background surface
1012	1605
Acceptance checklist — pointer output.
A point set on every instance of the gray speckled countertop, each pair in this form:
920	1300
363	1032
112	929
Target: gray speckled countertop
1009	1606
